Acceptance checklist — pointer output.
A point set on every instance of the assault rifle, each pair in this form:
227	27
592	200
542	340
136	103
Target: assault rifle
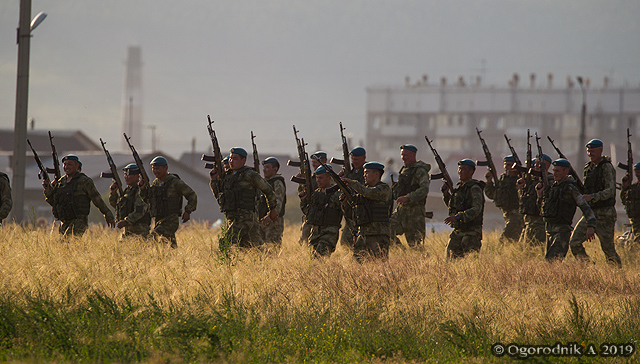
629	166
348	191
303	163
43	171
529	161
571	170
487	155
517	165
136	157
443	168
112	166
543	173
256	158
56	163
344	162
216	158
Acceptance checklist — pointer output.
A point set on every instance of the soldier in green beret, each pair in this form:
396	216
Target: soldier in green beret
305	228
533	233
630	196
271	231
358	156
504	194
132	213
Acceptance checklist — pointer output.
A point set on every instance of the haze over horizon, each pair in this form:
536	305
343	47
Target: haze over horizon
263	66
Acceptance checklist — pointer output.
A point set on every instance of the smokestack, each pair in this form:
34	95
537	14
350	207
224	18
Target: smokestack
478	81
550	80
443	81
532	77
132	98
606	82
461	82
570	83
424	79
407	81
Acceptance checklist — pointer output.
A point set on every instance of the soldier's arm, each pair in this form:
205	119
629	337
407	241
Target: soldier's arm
214	185
422	178
381	192
477	203
188	193
584	206
140	208
279	189
143	191
260	183
490	189
89	188
7	203
624	194
609	179
113	198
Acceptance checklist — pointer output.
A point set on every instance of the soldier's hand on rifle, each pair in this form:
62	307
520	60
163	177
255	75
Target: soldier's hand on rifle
587	197
341	173
214	174
591	233
113	187
489	176
346	181
266	220
540	189
186	216
521	182
302	194
111	223
402	199
46	185
444	189
273	215
625	181
449	220
120	224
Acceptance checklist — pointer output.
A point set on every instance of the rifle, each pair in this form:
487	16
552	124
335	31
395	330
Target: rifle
217	155
348	191
303	163
487	155
529	158
43	170
543	174
571	170
256	158
136	157
344	162
112	166
629	166
56	163
443	168
517	165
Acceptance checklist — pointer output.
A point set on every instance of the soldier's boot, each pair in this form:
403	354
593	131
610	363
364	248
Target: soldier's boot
580	253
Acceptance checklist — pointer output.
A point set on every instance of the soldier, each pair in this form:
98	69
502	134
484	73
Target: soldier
164	197
373	203
558	207
324	215
225	164
600	193
272	231
306	228
71	196
533	232
5	195
630	196
504	194
358	156
131	212
237	193
466	209
410	193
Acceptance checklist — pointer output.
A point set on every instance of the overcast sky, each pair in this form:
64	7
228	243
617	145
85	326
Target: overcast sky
265	65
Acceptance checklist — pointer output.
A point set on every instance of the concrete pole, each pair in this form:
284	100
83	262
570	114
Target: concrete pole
580	161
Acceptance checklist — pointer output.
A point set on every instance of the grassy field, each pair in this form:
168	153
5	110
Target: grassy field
97	300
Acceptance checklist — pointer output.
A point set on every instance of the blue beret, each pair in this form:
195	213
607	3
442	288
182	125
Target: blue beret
594	143
374	165
410	147
467	162
320	154
72	157
131	168
545	157
322	170
509	158
239	151
271	160
561	163
159	161
225	160
358	152
636	166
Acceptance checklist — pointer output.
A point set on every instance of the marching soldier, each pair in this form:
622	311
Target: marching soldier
236	192
466	209
504	194
358	156
600	193
5	195
410	193
373	202
533	232
323	213
71	196
306	228
272	231
132	213
630	196
558	207
164	197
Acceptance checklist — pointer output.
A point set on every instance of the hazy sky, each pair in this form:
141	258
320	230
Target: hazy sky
265	65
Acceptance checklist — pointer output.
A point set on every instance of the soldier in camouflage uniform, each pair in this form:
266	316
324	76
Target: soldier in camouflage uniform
71	197
410	193
132	213
533	233
630	196
305	228
5	196
558	205
371	212
466	209
504	194
323	213
237	192
164	197
358	156
600	193
272	231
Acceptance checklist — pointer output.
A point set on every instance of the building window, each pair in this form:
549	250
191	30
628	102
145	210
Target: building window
377	121
484	122
614	123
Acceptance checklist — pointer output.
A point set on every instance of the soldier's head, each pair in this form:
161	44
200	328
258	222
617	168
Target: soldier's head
237	158
636	170
225	163
373	172
71	164
358	156
408	154
466	169
270	167
322	177
131	174
594	150
160	167
321	155
547	162
561	169
507	163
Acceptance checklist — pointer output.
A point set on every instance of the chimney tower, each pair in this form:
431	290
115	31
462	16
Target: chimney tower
132	98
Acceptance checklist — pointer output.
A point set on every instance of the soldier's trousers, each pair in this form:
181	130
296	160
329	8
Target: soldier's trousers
558	243
513	224
533	232
131	234
305	231
462	243
371	246
323	239
243	229
408	220
272	233
348	230
165	228
74	227
605	232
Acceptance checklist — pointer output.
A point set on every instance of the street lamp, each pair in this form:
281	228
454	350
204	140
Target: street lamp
18	163
583	121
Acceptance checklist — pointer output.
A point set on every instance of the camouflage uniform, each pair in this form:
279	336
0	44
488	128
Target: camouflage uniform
630	197
408	218
600	182
71	202
505	195
467	204
350	229
533	232
5	195
558	207
371	213
305	228
132	210
165	205
237	192
324	217
273	232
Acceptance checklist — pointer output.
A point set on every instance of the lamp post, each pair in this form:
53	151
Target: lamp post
583	124
18	163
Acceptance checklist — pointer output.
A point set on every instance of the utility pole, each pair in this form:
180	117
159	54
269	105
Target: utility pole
583	126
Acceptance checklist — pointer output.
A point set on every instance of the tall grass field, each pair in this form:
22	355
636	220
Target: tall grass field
95	299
